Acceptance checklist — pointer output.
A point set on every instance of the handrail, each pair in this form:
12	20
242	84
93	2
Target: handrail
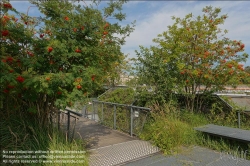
73	112
68	113
105	92
132	110
126	105
223	101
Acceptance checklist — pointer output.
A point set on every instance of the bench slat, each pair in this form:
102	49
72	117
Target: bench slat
229	132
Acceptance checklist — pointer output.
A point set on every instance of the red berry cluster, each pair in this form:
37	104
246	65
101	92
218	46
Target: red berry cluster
7	5
30	53
20	79
41	35
8	60
8	88
78	50
5	33
93	77
50	49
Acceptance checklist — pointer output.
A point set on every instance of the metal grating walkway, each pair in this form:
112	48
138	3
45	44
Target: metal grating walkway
121	153
233	133
192	156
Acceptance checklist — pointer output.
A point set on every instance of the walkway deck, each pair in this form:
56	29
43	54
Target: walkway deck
109	147
193	156
99	136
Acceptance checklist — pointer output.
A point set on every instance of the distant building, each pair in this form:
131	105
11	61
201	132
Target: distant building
124	78
230	89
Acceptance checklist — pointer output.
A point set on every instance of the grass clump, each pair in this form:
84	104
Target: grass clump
22	132
169	128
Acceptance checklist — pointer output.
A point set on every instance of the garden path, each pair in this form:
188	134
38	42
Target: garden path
108	147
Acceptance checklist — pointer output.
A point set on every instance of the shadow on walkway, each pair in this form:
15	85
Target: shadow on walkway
97	135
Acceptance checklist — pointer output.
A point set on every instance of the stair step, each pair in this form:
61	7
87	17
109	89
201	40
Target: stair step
120	153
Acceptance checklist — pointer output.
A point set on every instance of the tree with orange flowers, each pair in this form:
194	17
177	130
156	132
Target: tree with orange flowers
194	56
50	62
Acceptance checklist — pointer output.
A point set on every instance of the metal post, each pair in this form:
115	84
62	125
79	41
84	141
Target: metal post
238	119
50	118
94	109
59	114
92	117
131	121
84	110
68	121
114	117
102	112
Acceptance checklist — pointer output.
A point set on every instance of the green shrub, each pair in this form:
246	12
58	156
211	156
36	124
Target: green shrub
119	95
227	117
166	130
193	119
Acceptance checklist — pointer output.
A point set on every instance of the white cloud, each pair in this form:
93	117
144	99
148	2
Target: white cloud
21	6
157	17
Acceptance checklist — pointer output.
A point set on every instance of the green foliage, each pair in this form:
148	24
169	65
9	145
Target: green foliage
193	119
228	117
192	55
230	147
132	82
119	95
60	58
170	128
221	117
147	96
51	62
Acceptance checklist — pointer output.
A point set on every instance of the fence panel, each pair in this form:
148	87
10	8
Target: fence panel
139	119
127	118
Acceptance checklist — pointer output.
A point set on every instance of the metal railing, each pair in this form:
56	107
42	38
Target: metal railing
69	114
127	118
239	112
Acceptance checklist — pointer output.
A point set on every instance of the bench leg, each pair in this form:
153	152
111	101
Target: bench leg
238	119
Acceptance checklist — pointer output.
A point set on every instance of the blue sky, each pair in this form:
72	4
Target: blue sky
153	17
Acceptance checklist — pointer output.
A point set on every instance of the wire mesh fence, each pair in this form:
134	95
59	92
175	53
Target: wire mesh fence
127	118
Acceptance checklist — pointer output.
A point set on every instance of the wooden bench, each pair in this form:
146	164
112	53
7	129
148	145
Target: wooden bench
227	132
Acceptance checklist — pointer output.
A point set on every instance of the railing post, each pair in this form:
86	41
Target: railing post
84	110
59	114
102	112
68	121
131	121
238	119
93	110
50	118
114	117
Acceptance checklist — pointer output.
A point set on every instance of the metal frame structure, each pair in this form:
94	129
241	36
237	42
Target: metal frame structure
114	112
69	114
